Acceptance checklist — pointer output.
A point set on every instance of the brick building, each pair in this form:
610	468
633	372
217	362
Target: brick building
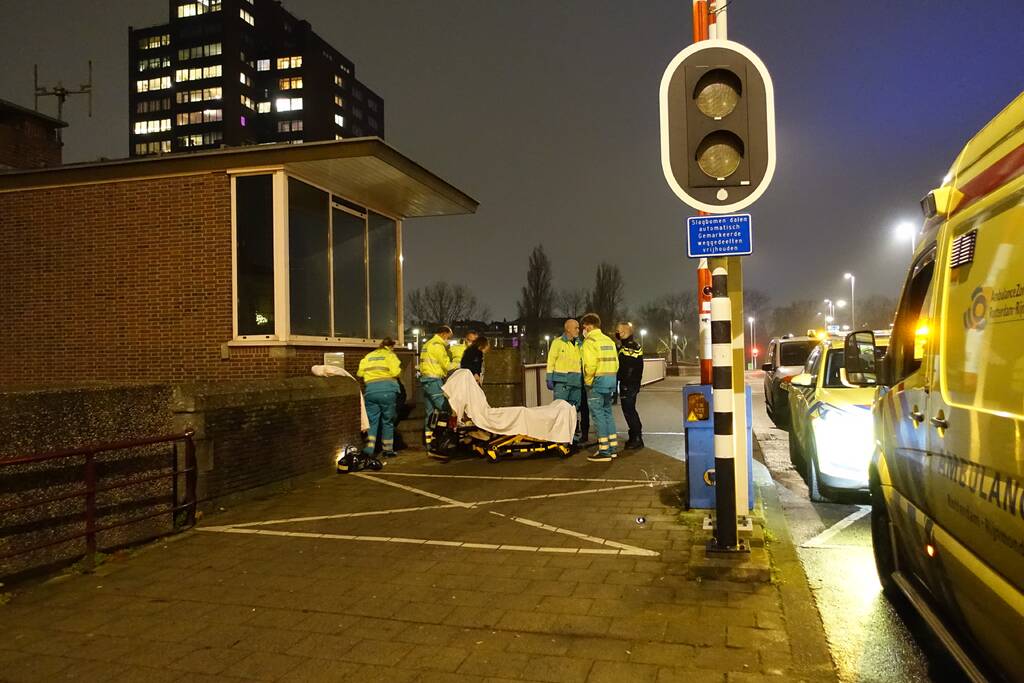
28	139
196	290
241	72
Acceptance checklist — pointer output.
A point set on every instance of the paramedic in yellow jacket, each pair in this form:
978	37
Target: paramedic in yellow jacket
458	349
565	369
380	370
435	364
600	366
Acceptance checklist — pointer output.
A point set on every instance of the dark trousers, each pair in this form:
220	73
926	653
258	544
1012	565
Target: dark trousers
627	396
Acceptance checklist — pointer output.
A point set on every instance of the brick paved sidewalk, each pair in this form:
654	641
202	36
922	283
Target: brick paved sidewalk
542	569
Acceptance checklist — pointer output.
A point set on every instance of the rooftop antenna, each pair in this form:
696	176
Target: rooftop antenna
62	94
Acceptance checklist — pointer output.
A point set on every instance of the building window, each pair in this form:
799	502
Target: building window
148	106
246	17
357	112
263	108
147	85
288	103
152	126
294	83
289	126
198	73
202	95
339	120
154	63
372	104
200	139
192	9
263	65
338	80
339	101
289	62
382	244
244	79
154	42
349	242
308	259
247	102
190	118
254	254
208	50
154	147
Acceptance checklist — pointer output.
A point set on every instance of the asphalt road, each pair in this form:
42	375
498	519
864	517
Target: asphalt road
869	640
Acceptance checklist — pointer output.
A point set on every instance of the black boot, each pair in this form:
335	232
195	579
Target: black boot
634	443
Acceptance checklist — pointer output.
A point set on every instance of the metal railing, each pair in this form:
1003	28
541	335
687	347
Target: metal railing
90	488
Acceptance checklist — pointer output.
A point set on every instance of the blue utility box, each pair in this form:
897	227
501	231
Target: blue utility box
699	428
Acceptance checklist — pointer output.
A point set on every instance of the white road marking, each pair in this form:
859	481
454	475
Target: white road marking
341	515
828	534
558	495
623	548
496	478
428	494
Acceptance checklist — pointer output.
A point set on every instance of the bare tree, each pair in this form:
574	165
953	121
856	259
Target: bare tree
571	303
606	299
876	311
538	296
441	303
795	317
672	314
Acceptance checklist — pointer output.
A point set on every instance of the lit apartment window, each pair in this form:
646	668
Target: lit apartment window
209	50
247	102
289	62
246	17
147	106
154	63
154	42
263	108
288	103
338	137
263	65
202	95
200	139
338	80
154	147
339	120
244	79
198	73
191	9
152	126
190	118
289	126
153	84
290	83
338	101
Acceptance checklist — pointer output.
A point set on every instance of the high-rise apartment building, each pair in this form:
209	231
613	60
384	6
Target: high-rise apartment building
241	72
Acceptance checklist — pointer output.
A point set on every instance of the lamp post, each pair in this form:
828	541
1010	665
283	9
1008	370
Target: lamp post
907	231
643	333
416	331
547	342
752	342
853	301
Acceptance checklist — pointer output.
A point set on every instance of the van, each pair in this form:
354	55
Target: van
947	475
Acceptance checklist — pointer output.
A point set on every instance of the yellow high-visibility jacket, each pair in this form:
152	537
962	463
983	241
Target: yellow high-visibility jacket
435	360
600	360
379	365
456	352
564	362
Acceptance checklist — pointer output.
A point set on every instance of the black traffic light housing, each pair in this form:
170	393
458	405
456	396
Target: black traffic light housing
717	126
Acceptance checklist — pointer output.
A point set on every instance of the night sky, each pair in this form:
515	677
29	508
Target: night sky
547	113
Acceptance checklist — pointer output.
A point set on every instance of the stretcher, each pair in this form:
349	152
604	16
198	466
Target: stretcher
496	433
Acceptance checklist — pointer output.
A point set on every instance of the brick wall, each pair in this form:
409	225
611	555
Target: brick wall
27	143
127	282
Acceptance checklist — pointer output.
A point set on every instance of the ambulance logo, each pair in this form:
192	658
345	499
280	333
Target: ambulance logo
976	316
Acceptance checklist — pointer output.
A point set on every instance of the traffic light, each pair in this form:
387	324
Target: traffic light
717	126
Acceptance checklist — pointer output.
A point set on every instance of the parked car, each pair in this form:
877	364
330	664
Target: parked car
831	437
785	360
947	474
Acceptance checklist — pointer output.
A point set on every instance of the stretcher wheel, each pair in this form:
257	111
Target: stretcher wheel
492	455
565	451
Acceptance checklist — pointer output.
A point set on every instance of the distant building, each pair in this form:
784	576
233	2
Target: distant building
28	139
241	72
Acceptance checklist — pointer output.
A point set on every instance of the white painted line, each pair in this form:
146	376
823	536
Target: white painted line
622	548
377	476
828	534
428	494
559	495
342	515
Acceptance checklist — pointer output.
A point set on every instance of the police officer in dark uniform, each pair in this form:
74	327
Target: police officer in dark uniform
631	370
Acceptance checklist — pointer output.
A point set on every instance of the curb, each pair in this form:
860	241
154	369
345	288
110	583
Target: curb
799	608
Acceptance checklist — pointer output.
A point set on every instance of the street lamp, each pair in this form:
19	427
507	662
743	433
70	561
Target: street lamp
853	298
643	333
907	231
416	331
547	342
831	307
752	342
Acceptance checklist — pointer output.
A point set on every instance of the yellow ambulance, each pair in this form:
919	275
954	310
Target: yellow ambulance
947	475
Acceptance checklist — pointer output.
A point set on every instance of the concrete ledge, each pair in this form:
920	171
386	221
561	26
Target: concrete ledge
752	567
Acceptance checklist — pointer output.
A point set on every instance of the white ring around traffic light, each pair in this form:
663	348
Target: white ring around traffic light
769	91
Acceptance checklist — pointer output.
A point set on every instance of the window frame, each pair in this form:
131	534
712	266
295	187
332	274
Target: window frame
282	335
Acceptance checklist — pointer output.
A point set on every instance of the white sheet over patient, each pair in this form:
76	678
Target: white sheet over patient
554	422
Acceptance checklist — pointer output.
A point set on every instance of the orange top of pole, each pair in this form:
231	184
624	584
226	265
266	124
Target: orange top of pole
700	20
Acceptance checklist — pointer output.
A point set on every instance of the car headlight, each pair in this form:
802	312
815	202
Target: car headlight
844	441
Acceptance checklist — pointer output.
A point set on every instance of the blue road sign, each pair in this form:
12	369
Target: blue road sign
709	236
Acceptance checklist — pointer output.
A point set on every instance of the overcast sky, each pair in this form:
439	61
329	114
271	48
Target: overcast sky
547	113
